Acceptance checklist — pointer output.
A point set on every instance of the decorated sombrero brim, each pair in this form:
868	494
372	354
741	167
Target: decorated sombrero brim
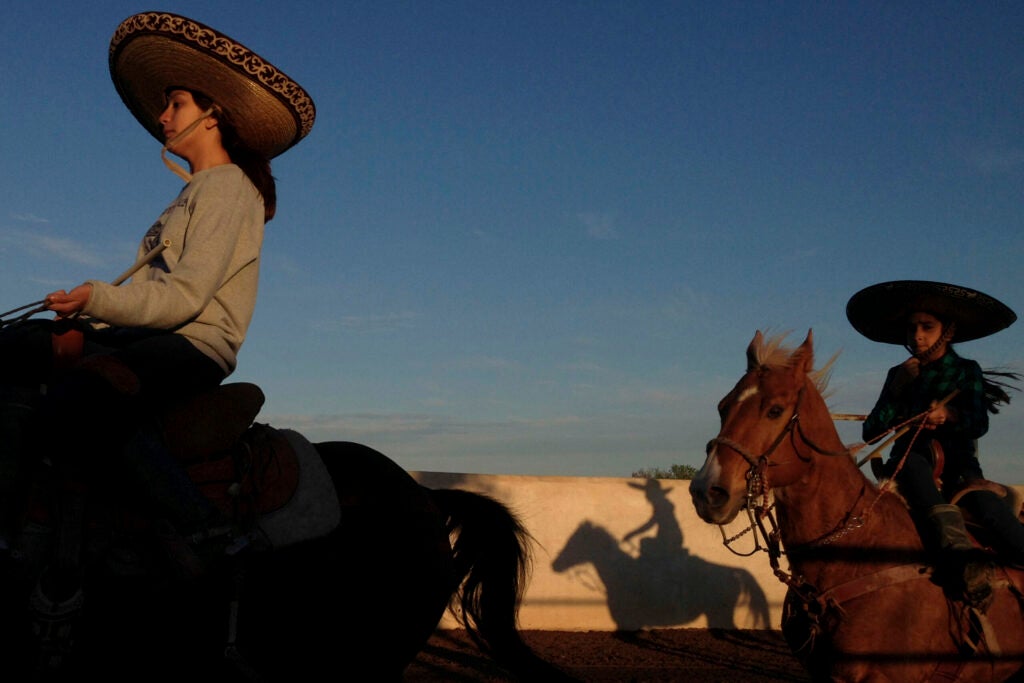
880	312
153	51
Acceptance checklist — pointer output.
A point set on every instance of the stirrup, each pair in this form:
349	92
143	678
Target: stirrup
193	555
53	623
977	581
179	551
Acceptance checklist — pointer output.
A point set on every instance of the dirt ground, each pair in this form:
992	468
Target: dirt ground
657	656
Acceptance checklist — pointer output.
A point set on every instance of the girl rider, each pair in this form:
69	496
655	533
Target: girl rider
926	318
176	327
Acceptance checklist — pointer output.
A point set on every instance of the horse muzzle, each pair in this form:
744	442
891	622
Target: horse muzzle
714	504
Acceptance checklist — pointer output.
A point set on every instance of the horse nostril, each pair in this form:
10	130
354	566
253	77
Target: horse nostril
717	496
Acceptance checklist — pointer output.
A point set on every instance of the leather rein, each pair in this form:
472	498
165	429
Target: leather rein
815	603
763	522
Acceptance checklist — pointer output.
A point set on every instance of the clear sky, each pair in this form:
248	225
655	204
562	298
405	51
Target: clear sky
537	237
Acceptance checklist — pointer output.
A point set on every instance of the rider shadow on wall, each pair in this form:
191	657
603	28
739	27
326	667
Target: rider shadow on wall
662	585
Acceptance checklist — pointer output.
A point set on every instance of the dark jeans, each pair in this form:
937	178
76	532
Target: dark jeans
917	485
996	516
94	408
916	482
167	365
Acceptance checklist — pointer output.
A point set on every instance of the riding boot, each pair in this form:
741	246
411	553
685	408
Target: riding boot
957	554
999	519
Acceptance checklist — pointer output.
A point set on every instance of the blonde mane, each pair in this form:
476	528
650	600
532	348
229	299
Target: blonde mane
773	353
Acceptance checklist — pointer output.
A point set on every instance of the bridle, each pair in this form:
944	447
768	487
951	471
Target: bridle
759	509
763	523
805	599
759	462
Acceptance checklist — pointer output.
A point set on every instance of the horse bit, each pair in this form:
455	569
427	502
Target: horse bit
757	506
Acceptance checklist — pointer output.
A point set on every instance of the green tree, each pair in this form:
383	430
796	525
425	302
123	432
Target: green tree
673	472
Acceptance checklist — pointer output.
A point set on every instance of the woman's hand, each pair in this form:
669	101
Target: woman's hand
907	373
938	416
66	304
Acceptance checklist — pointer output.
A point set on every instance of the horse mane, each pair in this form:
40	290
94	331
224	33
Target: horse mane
772	352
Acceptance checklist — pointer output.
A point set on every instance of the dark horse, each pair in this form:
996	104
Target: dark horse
666	589
862	604
364	597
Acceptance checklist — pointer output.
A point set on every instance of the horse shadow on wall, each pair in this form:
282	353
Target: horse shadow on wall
663	584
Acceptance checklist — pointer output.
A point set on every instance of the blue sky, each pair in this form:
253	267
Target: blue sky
537	237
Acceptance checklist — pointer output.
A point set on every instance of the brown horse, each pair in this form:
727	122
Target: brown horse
862	603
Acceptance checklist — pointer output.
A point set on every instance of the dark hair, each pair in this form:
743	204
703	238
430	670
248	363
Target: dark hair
996	383
255	166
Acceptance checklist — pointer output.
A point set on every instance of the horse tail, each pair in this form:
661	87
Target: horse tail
493	558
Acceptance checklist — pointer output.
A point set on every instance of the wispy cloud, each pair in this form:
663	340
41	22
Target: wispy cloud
50	247
410	428
28	218
992	160
378	428
600	226
486	363
384	322
284	264
557	444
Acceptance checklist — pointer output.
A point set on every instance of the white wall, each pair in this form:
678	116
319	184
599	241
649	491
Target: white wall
698	584
675	589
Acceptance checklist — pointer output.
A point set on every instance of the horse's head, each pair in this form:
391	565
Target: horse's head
761	443
587	543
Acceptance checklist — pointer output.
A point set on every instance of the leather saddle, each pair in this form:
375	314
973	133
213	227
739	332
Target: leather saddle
272	481
246	469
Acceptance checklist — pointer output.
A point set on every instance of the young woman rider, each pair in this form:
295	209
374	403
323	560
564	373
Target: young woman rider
176	327
954	397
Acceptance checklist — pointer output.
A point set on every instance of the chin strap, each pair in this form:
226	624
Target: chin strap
169	145
946	337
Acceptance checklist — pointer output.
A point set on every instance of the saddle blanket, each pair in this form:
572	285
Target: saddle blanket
313	510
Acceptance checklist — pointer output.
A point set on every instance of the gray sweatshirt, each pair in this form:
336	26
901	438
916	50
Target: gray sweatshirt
203	285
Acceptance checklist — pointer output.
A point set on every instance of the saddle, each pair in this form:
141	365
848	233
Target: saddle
1013	497
244	468
938	459
268	480
271	483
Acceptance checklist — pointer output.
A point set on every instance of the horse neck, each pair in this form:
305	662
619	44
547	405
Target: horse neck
820	502
831	487
834	508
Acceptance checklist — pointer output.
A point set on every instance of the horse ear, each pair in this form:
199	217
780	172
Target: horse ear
752	350
803	357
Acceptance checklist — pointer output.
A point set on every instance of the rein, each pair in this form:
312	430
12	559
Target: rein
41	306
793	423
35	306
813	602
759	511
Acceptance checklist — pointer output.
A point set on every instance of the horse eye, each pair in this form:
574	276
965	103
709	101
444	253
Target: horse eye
707	449
774	412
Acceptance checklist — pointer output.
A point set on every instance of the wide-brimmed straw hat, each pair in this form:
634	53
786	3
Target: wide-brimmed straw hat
153	51
880	312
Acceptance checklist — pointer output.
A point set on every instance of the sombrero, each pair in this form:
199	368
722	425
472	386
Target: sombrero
153	51
650	486
879	312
